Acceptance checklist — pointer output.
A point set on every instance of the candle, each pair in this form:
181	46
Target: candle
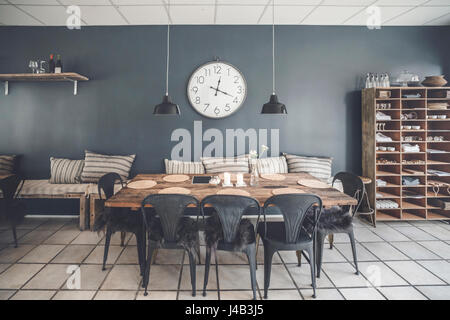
240	179
226	178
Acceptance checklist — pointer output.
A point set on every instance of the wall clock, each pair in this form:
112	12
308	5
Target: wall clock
217	89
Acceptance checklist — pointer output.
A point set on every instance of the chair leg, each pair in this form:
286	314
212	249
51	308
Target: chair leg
319	253
257	247
141	251
207	265
107	241
268	255
14	236
192	268
311	255
148	264
352	242
122	238
299	257
197	249
251	256
331	240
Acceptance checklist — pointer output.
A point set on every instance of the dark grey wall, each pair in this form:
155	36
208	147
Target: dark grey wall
318	78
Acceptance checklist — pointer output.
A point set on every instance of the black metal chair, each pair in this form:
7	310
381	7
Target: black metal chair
339	219
167	228
12	210
289	234
119	219
226	230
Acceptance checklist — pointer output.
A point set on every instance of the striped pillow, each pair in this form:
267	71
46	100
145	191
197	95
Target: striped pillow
185	167
317	167
218	165
7	164
97	165
271	165
65	171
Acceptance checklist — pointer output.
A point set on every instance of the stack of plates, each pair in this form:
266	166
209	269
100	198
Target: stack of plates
437	105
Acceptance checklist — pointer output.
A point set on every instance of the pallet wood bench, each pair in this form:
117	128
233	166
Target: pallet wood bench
43	189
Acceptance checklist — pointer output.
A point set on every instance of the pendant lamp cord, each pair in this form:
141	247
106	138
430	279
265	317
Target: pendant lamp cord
273	46
168	47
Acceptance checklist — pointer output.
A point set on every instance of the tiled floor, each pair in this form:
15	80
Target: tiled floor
397	261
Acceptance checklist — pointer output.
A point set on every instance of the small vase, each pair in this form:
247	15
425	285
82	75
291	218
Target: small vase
254	178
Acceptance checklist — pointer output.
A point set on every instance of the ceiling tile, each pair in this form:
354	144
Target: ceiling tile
238	14
347	2
419	16
144	14
286	14
442	21
192	14
136	2
387	13
35	2
330	15
86	2
395	3
50	15
438	3
101	16
10	15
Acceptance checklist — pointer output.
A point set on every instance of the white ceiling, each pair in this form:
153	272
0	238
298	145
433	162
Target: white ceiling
148	12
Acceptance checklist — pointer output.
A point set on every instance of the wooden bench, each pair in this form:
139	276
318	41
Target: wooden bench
43	189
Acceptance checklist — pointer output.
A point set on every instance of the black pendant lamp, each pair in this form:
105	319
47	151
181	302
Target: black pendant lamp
273	106
167	107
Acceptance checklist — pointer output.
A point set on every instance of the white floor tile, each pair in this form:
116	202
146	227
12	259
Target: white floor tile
414	273
402	293
439	268
384	251
437	231
361	252
439	248
322	294
414	250
436	292
416	234
361	294
378	274
389	234
343	275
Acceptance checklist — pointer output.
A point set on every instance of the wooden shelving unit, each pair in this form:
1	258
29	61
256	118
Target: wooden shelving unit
42	77
415	202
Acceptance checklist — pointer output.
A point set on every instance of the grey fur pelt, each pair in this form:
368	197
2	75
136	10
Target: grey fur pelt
333	219
118	220
213	232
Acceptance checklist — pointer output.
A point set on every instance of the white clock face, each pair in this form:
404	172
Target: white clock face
217	89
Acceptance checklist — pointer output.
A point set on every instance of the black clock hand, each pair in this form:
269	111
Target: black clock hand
226	93
218	83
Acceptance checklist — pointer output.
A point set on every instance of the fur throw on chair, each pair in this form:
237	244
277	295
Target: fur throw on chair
118	220
213	232
333	219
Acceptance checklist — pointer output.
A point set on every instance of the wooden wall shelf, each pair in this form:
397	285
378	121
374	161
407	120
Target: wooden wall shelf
391	167
43	77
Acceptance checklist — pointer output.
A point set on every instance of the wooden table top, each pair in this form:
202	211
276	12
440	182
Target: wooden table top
132	198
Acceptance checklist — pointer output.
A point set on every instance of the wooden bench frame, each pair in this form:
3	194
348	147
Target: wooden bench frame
84	216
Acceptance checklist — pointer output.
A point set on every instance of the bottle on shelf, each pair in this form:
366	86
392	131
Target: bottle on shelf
368	84
51	64
58	65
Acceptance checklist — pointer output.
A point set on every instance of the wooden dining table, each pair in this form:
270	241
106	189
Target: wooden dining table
132	198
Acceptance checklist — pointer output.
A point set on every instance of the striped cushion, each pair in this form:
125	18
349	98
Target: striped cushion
96	165
217	165
63	171
271	165
185	167
317	167
7	164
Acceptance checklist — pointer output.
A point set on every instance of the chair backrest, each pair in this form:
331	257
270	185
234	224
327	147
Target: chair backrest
9	187
353	186
294	208
230	209
170	209
106	184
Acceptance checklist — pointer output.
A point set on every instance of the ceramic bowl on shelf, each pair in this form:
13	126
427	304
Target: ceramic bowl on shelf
442	116
415	127
434	81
